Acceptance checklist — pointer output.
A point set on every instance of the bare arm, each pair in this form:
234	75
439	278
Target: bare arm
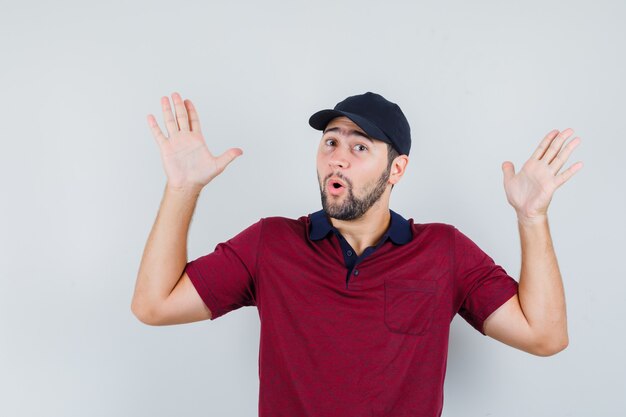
535	320
165	256
163	294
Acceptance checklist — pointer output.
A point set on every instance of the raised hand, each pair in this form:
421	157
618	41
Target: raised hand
187	161
530	190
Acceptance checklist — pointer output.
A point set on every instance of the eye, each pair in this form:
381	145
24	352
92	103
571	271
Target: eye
360	148
328	142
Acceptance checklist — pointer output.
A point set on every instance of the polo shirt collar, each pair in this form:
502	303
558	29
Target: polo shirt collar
399	230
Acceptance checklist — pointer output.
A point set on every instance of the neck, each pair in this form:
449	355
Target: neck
367	230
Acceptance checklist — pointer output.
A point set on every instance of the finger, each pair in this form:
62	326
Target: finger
508	169
556	145
156	130
193	116
181	113
170	122
227	157
544	144
568	173
558	162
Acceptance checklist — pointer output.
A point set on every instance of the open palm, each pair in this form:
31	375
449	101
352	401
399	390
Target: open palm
185	155
530	190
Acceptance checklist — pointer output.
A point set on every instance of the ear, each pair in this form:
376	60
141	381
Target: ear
398	166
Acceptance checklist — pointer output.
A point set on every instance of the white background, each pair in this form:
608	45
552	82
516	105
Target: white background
81	180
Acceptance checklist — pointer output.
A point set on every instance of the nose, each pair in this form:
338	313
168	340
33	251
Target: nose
339	159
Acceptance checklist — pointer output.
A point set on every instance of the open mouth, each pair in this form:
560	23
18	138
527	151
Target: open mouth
335	187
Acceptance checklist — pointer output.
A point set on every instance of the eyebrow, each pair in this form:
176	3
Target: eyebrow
352	131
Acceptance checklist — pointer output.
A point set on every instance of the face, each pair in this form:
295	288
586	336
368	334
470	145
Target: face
351	170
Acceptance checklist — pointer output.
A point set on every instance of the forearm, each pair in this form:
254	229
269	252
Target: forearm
165	253
541	293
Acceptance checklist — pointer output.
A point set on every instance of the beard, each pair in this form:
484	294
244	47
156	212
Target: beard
352	207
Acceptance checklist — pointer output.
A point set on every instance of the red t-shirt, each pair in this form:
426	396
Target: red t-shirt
369	344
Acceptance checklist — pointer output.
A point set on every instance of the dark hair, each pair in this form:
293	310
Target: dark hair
392	154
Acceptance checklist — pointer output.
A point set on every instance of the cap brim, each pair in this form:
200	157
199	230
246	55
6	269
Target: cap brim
321	119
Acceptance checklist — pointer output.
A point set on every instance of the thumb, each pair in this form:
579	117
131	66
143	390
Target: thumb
227	157
508	169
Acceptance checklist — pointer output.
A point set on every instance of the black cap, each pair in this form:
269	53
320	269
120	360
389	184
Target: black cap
378	117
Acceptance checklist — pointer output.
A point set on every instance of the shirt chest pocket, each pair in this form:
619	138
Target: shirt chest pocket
409	305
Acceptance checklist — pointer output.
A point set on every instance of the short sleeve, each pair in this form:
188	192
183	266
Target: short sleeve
226	278
482	285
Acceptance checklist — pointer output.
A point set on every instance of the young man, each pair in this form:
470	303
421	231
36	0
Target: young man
355	301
